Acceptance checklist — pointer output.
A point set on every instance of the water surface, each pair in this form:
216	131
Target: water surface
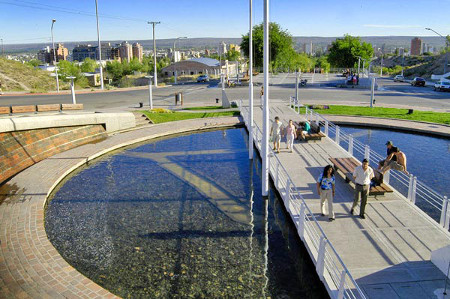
181	217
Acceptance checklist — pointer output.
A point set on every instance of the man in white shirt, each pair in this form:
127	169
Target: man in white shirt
362	176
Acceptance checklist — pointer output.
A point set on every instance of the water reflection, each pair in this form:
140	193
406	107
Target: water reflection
181	217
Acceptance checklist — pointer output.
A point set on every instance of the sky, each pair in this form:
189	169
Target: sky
29	21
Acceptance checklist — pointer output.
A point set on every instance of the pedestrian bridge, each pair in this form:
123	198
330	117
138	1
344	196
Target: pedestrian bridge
386	255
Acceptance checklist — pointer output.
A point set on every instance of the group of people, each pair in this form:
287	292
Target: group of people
353	79
362	175
278	130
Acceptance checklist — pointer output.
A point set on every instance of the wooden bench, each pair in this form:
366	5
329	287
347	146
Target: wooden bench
308	136
347	167
48	107
71	106
5	110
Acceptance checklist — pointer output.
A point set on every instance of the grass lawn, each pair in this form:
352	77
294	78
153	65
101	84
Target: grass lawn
204	108
158	118
427	116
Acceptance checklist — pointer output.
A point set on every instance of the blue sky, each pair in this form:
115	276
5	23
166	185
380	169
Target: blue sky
28	21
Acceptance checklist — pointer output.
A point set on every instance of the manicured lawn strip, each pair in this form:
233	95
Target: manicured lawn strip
427	116
158	118
204	108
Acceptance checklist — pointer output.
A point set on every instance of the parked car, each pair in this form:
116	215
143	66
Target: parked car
418	81
442	86
399	78
203	78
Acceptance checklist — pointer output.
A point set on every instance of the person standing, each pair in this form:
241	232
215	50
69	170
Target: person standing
326	190
275	132
291	134
362	175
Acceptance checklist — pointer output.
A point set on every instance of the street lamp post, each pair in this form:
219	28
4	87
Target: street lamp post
446	43
99	46
265	137
72	89
150	95
174	58
250	83
154	53
2	46
54	58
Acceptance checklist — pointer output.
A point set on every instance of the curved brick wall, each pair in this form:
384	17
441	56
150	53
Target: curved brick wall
21	149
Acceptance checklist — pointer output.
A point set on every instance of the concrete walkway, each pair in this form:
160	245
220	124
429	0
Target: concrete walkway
389	252
30	267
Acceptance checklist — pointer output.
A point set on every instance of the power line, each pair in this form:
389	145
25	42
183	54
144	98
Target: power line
46	7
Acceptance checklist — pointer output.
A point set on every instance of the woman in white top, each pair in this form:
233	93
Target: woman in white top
291	134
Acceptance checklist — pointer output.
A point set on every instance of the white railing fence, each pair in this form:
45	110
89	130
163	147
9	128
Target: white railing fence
435	205
329	265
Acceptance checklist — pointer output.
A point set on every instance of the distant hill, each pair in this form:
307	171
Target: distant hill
390	42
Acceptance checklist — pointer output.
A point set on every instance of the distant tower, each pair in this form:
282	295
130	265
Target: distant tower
416	46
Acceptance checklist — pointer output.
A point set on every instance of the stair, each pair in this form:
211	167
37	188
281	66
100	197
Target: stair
141	119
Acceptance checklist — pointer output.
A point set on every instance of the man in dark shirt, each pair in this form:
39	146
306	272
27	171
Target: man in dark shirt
390	148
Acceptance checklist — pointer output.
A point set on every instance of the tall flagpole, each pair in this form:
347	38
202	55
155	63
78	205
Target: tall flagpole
265	139
250	83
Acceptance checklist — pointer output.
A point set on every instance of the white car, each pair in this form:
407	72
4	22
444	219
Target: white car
399	78
442	86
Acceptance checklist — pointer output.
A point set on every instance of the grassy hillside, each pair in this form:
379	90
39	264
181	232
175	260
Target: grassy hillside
16	76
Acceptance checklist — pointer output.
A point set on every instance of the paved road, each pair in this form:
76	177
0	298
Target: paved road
391	94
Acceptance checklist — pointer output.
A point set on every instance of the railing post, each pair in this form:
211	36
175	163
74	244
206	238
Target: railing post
277	175
444	213
306	112
311	113
337	134
341	285
387	177
414	190
288	190
326	127
290	102
240	103
301	222
321	257
350	145
367	152
411	179
317	119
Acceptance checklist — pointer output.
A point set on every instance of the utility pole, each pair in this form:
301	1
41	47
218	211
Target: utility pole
154	53
265	137
403	60
446	54
54	59
381	67
250	82
99	46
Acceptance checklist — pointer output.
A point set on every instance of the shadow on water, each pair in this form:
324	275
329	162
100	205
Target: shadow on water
181	217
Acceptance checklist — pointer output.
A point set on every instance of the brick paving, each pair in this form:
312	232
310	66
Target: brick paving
30	267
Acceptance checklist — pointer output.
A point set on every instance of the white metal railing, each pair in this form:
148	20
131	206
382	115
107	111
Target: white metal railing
329	265
409	186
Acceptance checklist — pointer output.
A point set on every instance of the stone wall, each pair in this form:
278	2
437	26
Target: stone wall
21	149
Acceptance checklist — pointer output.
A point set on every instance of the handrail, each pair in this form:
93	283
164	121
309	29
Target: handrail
416	191
315	233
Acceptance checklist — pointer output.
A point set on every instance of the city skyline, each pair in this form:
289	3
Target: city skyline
29	21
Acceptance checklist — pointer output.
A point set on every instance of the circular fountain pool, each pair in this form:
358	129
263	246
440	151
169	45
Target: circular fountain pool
181	217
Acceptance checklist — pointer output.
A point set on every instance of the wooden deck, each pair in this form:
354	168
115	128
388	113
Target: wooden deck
389	252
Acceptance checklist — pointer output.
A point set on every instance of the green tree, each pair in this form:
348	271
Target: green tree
68	69
135	65
233	55
115	69
344	51
322	62
88	66
279	48
34	62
